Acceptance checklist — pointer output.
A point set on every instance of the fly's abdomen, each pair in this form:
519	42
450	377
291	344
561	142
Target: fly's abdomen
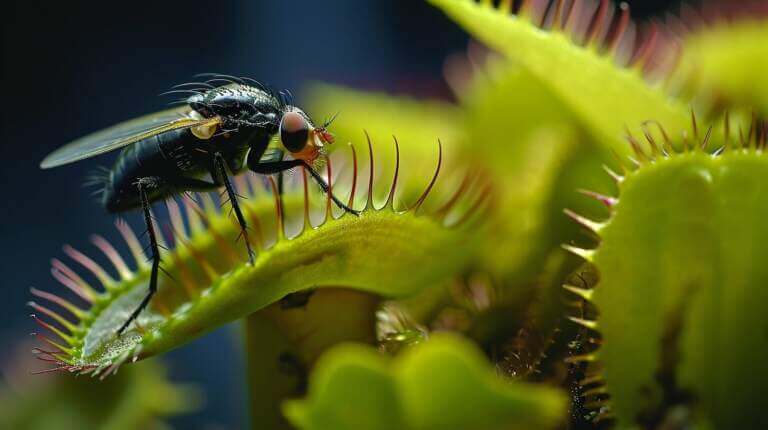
156	161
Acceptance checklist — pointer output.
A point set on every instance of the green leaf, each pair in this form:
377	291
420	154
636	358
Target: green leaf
609	99
351	388
725	65
444	383
210	283
681	293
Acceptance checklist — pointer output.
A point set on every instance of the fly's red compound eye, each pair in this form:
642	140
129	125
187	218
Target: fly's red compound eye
294	131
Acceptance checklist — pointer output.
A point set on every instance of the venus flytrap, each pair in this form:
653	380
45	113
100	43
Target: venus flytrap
680	291
210	284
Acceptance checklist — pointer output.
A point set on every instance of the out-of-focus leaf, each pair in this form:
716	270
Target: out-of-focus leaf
606	97
138	397
681	290
443	383
725	65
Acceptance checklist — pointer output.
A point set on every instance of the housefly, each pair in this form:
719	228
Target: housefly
223	127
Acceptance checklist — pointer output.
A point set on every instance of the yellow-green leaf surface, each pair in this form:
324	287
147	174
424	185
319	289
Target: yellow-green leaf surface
444	383
726	64
682	289
608	98
539	154
417	124
382	251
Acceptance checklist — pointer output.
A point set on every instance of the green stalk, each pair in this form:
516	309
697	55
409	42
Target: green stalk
282	345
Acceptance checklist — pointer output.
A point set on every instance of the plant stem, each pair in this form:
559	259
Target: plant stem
282	345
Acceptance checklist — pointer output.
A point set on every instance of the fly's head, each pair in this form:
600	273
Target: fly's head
301	137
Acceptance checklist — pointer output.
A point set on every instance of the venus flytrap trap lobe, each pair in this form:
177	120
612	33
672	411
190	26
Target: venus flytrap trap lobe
600	62
209	283
679	298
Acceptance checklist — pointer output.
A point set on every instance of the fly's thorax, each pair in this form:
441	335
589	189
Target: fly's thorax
238	104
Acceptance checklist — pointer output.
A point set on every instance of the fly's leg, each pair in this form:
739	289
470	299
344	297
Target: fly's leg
220	169
142	184
270	167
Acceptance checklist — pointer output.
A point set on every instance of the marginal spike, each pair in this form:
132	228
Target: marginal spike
91	265
585	222
61	348
192	211
705	142
667	142
584	293
351	200
694	125
279	222
369	201
225	246
655	151
185	274
65	304
255	225
416	206
54	315
597	26
505	6
482	198
638	150
597	378
209	207
391	197
177	221
592	325
570	24
66	276
648	44
526	9
161	243
557	22
208	270
240	183
52	369
614	36
329	194
586	254
63	336
133	243
448	205
307	220
114	257
615	176
569	12
608	201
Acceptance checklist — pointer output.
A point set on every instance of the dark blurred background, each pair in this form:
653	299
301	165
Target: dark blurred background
70	68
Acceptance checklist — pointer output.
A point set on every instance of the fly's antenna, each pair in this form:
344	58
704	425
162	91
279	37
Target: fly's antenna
330	120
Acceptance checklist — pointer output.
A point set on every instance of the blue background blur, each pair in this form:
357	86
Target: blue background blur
71	68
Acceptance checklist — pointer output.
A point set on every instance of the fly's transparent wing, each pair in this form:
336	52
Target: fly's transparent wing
124	134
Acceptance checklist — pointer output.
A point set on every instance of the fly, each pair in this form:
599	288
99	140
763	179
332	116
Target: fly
219	130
